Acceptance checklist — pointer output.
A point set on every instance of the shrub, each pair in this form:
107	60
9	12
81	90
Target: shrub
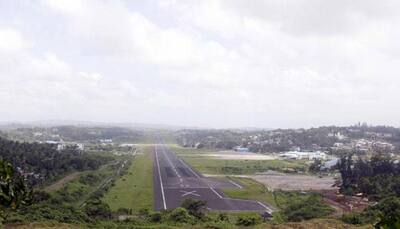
223	217
304	209
248	220
123	211
155	217
180	215
352	218
195	207
97	209
89	179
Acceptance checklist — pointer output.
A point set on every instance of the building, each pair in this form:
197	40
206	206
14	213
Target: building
296	155
80	146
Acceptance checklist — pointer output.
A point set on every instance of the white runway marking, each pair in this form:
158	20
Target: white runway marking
189	193
236	184
170	164
269	210
216	193
161	182
188	167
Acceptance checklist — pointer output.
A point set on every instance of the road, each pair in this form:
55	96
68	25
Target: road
175	180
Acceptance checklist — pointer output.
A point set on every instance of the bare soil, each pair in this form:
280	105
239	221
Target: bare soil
289	182
61	182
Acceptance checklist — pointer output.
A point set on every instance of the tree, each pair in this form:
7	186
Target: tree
195	207
13	190
390	213
316	166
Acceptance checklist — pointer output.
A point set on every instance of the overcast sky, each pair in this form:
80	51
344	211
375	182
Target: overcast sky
233	63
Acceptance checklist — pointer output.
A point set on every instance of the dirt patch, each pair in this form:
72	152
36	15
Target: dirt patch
60	183
344	204
288	182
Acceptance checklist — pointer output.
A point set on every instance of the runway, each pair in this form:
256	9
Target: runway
175	180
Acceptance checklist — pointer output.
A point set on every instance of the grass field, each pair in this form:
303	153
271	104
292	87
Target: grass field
236	167
252	191
134	190
211	165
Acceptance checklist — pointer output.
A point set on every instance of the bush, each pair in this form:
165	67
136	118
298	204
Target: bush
195	208
123	211
248	220
155	217
39	196
180	215
89	179
223	217
97	209
304	209
144	212
352	218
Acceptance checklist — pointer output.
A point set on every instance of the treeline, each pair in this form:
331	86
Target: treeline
376	178
41	162
321	138
379	180
75	134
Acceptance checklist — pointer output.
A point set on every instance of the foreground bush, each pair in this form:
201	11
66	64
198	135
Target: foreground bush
248	220
180	215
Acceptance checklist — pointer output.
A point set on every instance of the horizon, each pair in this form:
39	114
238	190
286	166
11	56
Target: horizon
210	64
77	123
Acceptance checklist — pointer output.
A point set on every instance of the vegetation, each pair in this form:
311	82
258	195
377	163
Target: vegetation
237	167
42	162
252	191
134	190
296	208
279	140
76	134
13	190
376	178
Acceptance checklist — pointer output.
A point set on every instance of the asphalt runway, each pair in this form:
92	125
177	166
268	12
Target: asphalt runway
175	180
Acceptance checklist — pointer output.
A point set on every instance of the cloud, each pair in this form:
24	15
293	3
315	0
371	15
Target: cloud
11	40
207	63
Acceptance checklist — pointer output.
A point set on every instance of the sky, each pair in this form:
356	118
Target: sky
211	63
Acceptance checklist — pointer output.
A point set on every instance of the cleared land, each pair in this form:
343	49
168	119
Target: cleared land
229	163
282	181
134	190
62	182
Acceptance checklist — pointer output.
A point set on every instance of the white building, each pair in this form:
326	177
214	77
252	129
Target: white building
296	155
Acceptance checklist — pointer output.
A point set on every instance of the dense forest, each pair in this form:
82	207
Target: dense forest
41	162
378	179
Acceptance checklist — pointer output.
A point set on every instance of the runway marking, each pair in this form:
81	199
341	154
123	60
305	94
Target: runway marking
216	193
186	186
191	170
170	163
269	210
236	184
189	193
161	182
